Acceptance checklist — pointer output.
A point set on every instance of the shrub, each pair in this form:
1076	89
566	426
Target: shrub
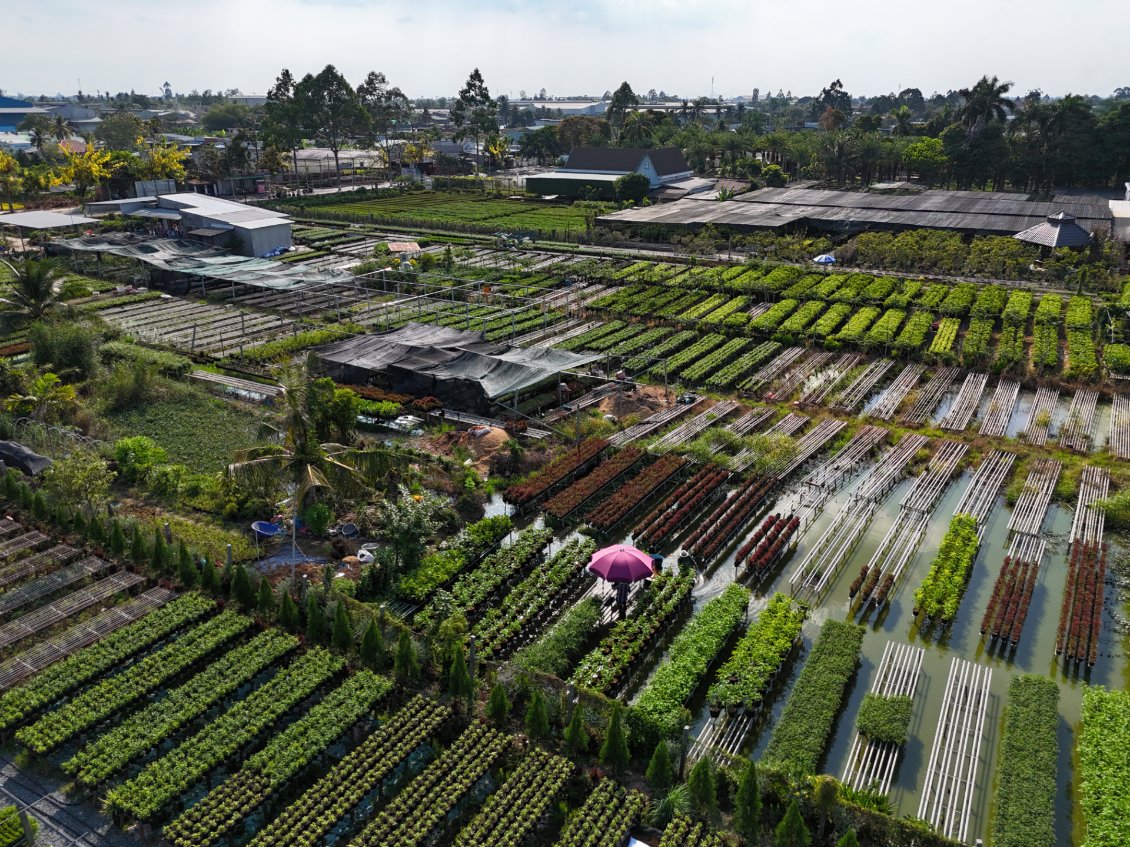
885	718
169	364
136	456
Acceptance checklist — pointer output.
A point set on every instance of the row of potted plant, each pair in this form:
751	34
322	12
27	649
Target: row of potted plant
169	777
633	492
503	622
607	816
666	518
713	533
744	678
412	814
603	668
512	812
572	498
661	705
19	703
773	536
116	693
1083	603
475	587
941	591
147	729
306	821
228	804
556	471
440	566
683	832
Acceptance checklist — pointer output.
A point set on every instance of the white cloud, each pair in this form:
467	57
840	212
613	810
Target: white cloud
427	47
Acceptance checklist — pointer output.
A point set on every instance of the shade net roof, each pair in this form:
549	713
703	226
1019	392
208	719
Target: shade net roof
188	257
451	354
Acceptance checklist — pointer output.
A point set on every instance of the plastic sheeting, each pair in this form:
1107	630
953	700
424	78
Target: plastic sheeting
188	257
438	360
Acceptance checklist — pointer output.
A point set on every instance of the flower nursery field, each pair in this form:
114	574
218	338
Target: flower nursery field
439	210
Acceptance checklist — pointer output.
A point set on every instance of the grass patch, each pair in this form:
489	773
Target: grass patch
195	429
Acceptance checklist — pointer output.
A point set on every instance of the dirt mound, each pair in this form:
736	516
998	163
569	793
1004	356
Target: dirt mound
481	442
644	401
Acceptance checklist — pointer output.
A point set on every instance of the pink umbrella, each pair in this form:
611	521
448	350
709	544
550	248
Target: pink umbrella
621	563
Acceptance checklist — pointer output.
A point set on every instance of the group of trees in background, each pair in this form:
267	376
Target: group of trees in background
975	137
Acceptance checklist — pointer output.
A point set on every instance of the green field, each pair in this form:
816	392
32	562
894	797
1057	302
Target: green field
439	210
196	429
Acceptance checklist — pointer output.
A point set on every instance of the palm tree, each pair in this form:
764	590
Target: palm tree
636	129
902	117
34	288
46	401
984	102
298	460
39	139
61	129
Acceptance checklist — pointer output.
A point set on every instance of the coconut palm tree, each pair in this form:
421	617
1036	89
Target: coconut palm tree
903	121
294	457
636	130
48	399
984	103
34	288
61	129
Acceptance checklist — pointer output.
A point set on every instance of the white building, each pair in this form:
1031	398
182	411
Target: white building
200	217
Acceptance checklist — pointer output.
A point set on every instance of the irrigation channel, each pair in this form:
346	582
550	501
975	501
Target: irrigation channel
957	675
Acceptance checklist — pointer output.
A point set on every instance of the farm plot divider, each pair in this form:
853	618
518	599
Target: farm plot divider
872	762
897	391
1119	441
1040	417
819	386
930	396
836	544
873	585
854	395
951	773
1076	431
965	404
45	653
690	429
1000	408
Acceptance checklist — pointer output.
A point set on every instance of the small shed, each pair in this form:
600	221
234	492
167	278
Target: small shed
1059	230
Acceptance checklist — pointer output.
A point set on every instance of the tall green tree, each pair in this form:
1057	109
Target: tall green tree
537	717
498	706
984	103
791	831
282	119
265	599
389	110
747	805
660	771
288	612
315	621
475	112
343	628
406	665
623	99
373	646
848	839
33	288
704	789
459	683
614	751
328	109
295	457
576	734
241	591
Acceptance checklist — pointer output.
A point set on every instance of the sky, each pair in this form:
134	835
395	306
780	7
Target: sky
569	47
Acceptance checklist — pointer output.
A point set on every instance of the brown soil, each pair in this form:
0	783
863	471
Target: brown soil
643	401
481	447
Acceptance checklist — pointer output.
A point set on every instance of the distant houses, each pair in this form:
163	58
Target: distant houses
593	171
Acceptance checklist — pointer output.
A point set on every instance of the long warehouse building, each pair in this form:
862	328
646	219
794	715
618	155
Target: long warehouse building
969	212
